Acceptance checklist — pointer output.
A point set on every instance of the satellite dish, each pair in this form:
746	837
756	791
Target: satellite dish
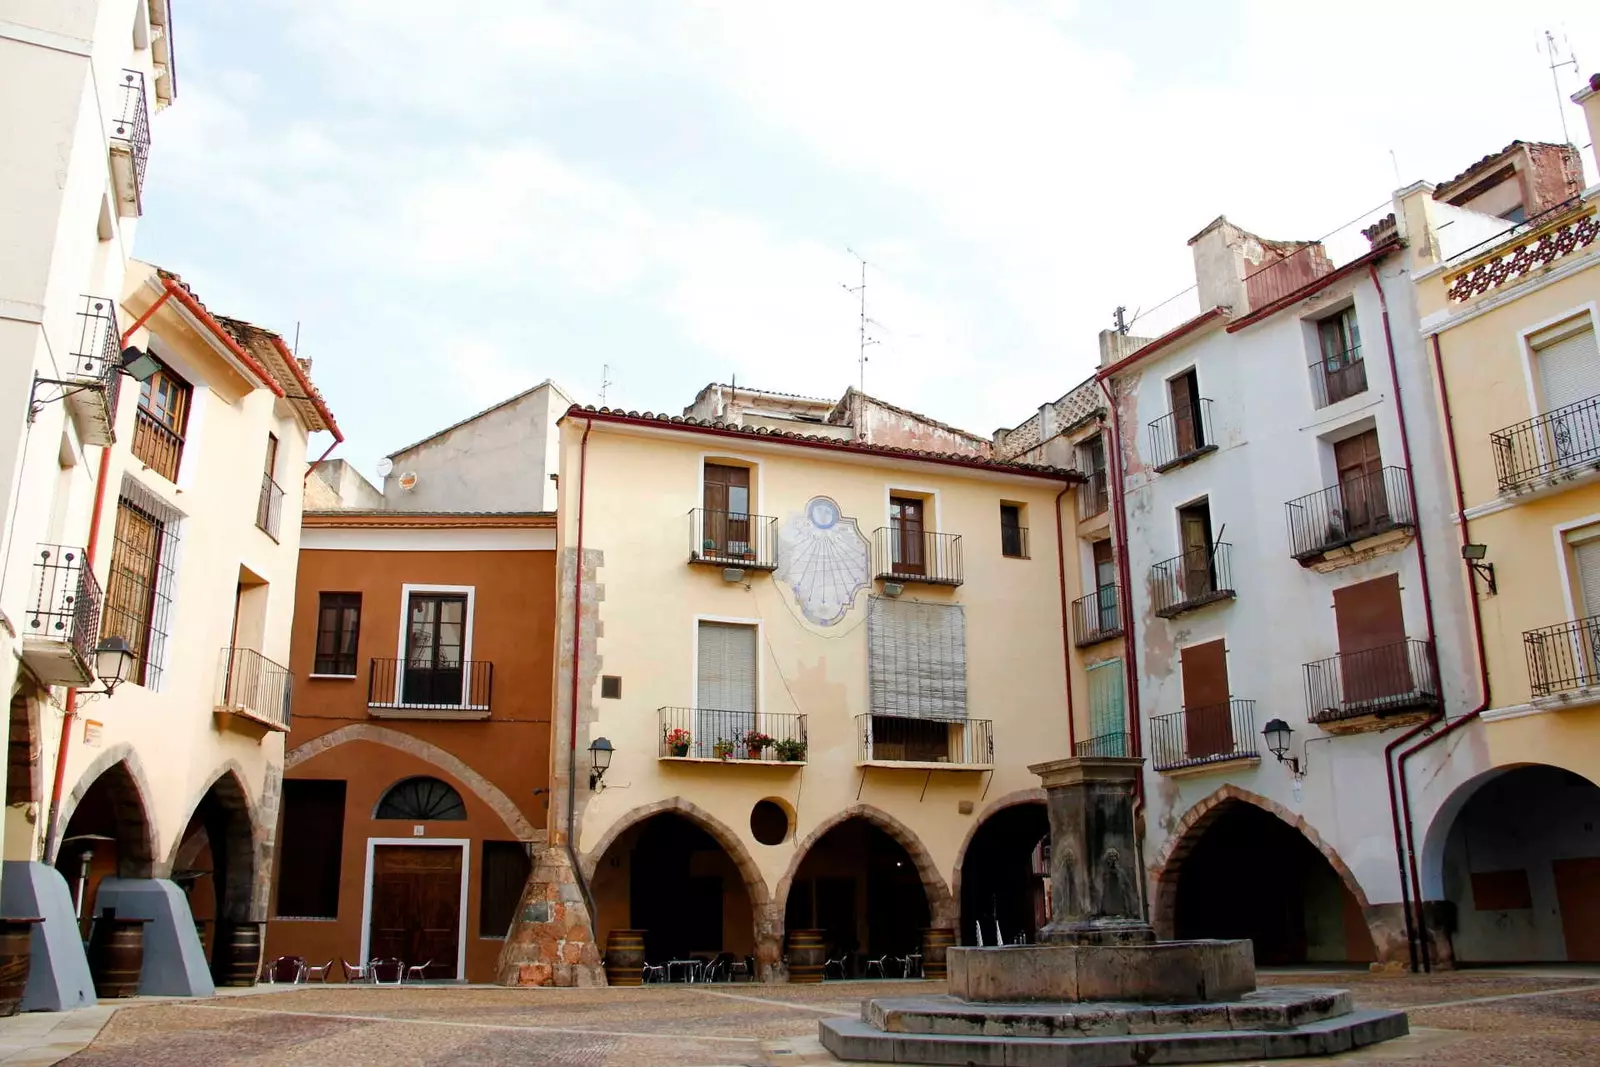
408	481
385	465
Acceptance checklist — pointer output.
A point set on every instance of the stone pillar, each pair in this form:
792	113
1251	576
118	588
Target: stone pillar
1094	856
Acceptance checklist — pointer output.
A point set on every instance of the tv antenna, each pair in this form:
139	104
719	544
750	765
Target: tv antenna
1120	318
860	291
1556	64
605	382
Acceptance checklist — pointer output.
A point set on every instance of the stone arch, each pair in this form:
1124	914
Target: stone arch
485	790
236	820
130	791
1010	800
942	908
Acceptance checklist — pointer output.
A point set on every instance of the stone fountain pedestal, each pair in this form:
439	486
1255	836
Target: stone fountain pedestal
1101	991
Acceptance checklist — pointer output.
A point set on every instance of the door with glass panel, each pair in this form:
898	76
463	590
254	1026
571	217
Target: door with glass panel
906	540
435	649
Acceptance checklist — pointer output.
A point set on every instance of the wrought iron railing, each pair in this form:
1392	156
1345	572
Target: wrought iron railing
1360	506
731	736
897	739
1338	377
132	127
156	445
462	686
733	539
252	682
65	605
269	506
1556	441
1374	681
1105	745
1180	435
1094	495
1210	733
1098	616
1192	579
1563	657
1014	541
903	555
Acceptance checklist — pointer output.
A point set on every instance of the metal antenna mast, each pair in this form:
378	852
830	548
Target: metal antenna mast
1556	64
860	291
605	382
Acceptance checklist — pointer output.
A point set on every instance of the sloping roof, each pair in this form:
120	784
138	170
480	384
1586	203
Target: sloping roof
486	411
764	392
1445	187
853	391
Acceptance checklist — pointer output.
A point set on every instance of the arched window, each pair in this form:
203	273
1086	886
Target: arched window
421	799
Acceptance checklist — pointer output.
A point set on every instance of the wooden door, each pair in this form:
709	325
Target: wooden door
1105	580
1199	577
726	519
416	906
1374	659
1207	717
1361	489
906	537
1578	897
1185	408
436	628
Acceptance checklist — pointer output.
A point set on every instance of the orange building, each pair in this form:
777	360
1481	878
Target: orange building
417	767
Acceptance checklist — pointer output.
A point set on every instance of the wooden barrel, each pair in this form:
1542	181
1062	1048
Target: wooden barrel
935	940
236	953
116	954
625	957
16	938
806	956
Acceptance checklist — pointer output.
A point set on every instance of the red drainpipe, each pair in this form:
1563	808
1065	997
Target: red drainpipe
572	727
1066	630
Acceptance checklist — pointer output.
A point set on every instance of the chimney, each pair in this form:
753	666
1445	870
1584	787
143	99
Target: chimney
1220	251
1588	98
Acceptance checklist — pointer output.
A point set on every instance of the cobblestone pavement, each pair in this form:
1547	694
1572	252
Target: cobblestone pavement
1473	1018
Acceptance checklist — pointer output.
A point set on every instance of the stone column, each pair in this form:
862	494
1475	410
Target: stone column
1094	857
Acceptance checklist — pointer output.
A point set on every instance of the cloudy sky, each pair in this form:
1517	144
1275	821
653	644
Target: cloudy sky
457	200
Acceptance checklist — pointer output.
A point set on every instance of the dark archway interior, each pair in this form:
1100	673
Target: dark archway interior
1253	875
215	863
859	886
1003	877
109	828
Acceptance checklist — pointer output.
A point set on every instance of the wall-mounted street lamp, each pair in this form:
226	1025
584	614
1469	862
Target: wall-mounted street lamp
113	665
1474	554
599	759
136	364
1278	735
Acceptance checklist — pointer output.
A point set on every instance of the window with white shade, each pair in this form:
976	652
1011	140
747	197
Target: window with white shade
725	701
1585	545
1568	363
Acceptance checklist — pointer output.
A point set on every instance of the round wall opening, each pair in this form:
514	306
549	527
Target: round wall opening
769	822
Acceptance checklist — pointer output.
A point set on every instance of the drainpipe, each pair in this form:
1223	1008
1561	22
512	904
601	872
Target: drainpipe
572	730
1066	631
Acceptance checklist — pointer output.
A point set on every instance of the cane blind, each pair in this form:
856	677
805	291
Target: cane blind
727	667
917	659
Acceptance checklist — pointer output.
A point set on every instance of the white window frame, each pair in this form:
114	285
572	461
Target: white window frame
465	845
731	459
402	660
1530	375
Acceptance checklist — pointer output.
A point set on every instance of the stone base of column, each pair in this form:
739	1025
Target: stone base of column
552	939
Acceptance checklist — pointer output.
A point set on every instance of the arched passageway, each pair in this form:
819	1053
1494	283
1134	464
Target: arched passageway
108	834
1521	867
215	862
862	888
1251	875
1003	872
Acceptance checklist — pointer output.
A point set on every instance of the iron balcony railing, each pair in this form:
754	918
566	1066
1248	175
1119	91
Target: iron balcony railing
1557	441
1098	616
1094	495
465	685
1360	506
1179	435
910	555
1193	579
1014	542
1338	377
1564	657
733	539
1374	681
96	357
65	605
731	736
132	126
156	445
252	683
1104	745
904	739
269	507
1211	733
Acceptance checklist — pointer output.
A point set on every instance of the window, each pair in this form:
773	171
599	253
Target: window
503	873
1207	712
1107	717
1364	506
906	535
270	504
1568	364
1189	433
725	679
338	633
422	799
1586	568
1013	535
726	500
138	591
310	848
160	422
1199	571
1373	660
436	627
1339	372
916	659
1107	618
1094	496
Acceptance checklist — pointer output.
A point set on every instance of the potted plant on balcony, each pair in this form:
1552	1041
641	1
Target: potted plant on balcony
755	743
790	750
678	741
722	748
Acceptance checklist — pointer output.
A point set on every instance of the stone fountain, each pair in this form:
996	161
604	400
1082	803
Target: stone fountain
1101	991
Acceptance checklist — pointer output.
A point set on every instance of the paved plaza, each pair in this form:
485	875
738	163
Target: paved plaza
1487	1018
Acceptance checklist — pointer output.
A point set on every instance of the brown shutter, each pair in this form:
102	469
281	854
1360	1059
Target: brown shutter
1207	724
1374	659
1182	390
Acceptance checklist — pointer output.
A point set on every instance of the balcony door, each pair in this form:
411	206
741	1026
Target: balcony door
1199	574
1207	722
1105	581
436	627
1185	393
1343	373
726	527
906	535
1361	490
1374	659
1569	372
725	700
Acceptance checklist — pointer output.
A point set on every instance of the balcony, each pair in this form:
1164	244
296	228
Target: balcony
1358	508
1338	377
710	735
1094	496
92	382
397	689
1565	441
925	744
1199	737
1382	681
269	507
130	144
1014	542
1097	617
1192	580
62	624
1178	437
252	692
1106	745
1564	658
733	539
902	555
156	445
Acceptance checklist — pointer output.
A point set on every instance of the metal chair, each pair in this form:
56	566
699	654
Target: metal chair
386	971
286	969
837	963
418	972
317	972
882	964
654	972
746	967
355	972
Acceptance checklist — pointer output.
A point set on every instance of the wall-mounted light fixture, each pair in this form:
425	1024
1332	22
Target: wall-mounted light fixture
135	364
1474	554
113	664
1278	735
599	759
893	588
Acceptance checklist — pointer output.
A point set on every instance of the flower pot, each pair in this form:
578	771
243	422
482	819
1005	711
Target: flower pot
16	938
680	750
754	752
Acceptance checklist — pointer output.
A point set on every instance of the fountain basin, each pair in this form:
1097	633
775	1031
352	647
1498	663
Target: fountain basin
1167	972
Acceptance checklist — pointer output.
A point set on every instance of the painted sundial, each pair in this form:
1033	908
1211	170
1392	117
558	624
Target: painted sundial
824	559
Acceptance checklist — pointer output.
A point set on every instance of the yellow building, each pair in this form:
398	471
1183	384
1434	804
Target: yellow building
823	666
1508	286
